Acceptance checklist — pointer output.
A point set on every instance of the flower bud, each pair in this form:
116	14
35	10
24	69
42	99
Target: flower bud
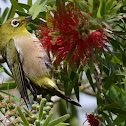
34	107
49	104
44	100
47	109
37	122
1	97
39	98
33	118
11	106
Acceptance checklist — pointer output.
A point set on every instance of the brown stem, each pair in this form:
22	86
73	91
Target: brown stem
98	78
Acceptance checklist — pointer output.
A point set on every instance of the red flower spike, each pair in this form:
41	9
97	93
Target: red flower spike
72	44
92	120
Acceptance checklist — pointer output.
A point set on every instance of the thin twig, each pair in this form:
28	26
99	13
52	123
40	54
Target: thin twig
7	117
98	78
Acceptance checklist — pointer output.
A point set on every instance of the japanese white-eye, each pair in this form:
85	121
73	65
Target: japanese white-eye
27	59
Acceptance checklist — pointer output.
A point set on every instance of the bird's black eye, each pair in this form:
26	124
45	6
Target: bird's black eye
15	23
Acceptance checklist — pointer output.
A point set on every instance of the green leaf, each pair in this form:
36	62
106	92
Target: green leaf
76	88
88	74
115	9
12	12
52	2
49	19
120	90
90	2
4	15
103	7
109	4
86	15
6	71
82	5
106	70
99	10
46	122
64	124
16	5
81	16
113	78
38	7
21	13
41	110
29	113
8	85
119	120
25	6
29	2
60	119
118	111
33	7
23	117
107	118
115	44
115	60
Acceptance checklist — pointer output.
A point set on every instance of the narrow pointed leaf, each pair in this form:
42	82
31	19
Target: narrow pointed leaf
107	118
99	9
11	12
64	124
49	19
88	74
38	7
25	6
6	71
4	15
82	5
8	85
90	2
23	117
16	5
57	121
115	9
76	89
29	2
47	119
41	110
109	4
29	113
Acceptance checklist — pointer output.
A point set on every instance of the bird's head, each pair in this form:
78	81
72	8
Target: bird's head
15	25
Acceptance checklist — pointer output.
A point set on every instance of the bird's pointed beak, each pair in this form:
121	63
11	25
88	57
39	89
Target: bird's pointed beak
28	18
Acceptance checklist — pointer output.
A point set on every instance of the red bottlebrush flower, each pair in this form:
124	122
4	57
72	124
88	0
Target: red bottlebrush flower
92	120
73	42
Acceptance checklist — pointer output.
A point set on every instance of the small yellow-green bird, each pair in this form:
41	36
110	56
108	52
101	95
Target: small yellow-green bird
29	63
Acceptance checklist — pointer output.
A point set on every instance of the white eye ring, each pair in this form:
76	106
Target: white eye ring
15	23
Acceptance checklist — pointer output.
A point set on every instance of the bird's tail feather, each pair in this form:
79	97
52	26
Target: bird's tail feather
47	84
58	93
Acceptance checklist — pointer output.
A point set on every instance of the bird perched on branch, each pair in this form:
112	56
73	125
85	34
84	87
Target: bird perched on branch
28	61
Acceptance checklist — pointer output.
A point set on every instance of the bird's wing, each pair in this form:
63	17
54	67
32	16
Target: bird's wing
14	63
